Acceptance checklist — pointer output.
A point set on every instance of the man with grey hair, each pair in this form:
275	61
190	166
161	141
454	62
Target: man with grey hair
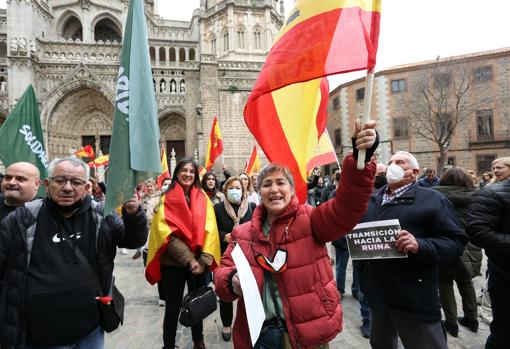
56	257
402	293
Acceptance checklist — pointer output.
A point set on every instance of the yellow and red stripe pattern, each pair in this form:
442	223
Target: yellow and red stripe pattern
325	153
286	111
215	146
100	161
195	225
253	165
85	152
165	174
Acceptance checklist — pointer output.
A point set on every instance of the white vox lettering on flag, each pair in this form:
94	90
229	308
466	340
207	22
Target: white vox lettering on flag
123	93
36	147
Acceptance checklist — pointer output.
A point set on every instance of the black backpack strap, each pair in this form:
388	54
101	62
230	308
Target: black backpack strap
34	207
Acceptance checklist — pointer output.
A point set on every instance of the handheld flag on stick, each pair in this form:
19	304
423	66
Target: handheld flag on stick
100	161
85	152
21	137
288	101
134	148
165	174
215	147
253	165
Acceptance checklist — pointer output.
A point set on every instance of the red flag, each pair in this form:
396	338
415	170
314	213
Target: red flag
86	152
253	165
215	147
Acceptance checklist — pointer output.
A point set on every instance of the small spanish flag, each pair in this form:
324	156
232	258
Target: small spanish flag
193	224
100	161
215	147
165	174
86	152
253	165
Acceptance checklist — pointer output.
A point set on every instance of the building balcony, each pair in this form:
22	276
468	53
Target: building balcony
497	138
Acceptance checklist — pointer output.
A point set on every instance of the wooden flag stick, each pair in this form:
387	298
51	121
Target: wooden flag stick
366	114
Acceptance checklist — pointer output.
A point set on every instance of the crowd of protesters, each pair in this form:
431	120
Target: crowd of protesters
447	223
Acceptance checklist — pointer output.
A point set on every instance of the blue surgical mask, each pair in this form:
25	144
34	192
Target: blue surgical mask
234	195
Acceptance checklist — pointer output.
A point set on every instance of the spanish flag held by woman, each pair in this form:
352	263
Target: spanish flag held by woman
185	214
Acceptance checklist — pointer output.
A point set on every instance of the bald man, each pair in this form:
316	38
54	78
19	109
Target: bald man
20	184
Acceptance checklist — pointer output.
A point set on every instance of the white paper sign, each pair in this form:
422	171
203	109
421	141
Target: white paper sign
253	303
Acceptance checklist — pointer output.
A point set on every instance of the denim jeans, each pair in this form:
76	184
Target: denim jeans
270	338
364	308
342	258
94	340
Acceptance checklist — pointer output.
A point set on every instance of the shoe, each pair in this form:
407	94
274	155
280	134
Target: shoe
161	303
123	251
365	329
471	324
199	344
452	329
137	255
226	335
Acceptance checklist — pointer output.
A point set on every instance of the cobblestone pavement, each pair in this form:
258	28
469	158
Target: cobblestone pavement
144	318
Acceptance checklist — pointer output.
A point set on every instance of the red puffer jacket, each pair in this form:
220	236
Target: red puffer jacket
310	298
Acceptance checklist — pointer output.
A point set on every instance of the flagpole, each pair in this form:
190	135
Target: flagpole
366	114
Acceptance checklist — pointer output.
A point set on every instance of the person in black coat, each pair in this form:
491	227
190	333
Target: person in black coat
230	213
489	228
402	293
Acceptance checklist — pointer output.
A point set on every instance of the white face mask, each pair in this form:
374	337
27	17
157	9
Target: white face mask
164	188
394	173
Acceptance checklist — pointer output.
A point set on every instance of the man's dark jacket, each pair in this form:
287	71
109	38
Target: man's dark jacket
489	225
129	232
408	286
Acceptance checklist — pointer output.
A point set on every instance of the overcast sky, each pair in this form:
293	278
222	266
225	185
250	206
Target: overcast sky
413	30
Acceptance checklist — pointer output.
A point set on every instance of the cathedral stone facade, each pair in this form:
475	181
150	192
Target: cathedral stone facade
69	50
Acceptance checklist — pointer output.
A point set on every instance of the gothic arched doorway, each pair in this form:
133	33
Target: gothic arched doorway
173	133
82	116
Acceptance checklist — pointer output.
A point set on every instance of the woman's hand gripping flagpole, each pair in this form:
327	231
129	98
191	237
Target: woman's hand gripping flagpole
361	142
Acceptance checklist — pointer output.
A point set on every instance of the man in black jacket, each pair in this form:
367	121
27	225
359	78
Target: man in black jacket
403	293
56	257
489	228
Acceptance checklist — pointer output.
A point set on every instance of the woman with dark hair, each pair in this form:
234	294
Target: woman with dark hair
457	185
211	188
181	228
230	213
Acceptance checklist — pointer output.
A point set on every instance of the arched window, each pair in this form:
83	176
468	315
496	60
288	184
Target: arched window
182	54
212	42
162	54
172	54
240	38
191	54
72	29
3	49
226	46
152	53
257	37
107	30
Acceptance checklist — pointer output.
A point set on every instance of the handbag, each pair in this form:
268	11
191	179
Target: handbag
111	315
197	305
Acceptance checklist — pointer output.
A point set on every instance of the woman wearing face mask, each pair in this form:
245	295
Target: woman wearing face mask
210	186
230	213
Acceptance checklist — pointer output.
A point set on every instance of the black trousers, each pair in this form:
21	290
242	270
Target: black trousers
173	280
499	292
226	313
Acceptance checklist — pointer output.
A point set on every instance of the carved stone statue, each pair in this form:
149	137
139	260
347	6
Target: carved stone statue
182	86
3	86
33	48
162	86
14	46
173	86
22	44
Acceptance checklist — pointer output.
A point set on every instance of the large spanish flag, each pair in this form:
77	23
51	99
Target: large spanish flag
165	174
215	147
286	111
194	224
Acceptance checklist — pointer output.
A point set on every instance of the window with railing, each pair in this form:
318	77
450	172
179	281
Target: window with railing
400	127
484	162
484	125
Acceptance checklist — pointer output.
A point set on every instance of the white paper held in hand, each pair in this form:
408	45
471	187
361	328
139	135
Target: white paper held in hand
253	303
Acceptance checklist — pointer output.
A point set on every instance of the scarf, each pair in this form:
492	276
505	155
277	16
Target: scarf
241	211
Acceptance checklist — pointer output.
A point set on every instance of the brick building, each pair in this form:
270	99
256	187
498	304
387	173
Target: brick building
483	131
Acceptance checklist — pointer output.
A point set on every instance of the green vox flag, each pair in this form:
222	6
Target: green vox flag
21	137
134	147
